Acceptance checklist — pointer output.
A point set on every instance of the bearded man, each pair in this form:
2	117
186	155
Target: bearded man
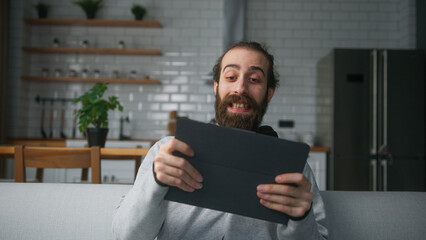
244	83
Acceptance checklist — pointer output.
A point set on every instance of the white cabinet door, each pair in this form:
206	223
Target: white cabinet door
318	163
112	171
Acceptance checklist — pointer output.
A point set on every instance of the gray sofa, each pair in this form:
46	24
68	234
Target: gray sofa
84	211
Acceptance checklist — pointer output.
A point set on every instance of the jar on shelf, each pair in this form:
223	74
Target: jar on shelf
84	43
96	73
121	44
114	74
56	42
44	72
72	73
84	73
132	74
58	72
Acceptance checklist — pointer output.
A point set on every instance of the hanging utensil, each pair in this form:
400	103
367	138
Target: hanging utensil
43	133
62	120
74	123
51	119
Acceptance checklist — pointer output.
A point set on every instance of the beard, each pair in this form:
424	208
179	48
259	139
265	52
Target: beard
248	121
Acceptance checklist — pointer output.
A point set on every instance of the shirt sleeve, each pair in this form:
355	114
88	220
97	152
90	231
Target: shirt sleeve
314	224
142	211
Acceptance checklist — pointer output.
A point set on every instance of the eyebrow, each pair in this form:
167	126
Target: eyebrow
252	68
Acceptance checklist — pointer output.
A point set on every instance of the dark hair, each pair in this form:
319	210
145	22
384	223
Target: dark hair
273	80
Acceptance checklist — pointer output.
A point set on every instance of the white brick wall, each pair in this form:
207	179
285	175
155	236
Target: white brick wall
299	33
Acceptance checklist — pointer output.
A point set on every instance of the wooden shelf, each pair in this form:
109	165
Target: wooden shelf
79	79
94	22
125	51
320	149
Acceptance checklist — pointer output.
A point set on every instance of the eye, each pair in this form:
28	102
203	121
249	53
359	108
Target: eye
255	80
231	78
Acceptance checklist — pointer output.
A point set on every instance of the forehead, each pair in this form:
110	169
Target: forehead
245	57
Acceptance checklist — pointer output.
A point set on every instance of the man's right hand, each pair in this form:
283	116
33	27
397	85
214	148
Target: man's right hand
176	171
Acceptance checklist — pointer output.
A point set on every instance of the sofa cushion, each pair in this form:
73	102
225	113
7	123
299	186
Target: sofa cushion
375	215
58	211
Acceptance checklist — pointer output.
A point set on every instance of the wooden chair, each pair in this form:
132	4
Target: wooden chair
5	153
57	157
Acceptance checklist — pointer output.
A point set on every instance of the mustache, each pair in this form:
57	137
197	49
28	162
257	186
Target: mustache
250	102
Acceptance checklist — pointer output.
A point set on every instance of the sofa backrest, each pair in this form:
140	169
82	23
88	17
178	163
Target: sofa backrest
375	215
85	211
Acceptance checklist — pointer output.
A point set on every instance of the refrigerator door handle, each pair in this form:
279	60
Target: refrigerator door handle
384	167
373	138
385	98
373	175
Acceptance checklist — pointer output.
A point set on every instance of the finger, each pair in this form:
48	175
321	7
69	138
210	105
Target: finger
166	156
176	145
279	189
176	173
180	163
304	201
294	178
289	210
280	199
173	181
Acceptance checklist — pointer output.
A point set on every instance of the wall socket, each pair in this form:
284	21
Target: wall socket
286	123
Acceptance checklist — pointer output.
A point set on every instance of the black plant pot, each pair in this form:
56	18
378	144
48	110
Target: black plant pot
42	13
96	136
90	14
139	16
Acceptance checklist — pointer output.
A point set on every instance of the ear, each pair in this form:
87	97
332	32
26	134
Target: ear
271	92
215	87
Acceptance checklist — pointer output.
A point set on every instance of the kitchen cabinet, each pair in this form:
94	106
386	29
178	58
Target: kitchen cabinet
91	50
317	160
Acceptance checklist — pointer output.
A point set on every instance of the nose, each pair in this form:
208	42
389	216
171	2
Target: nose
240	87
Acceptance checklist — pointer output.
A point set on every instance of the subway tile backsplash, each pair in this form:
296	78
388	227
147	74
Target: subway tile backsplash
298	33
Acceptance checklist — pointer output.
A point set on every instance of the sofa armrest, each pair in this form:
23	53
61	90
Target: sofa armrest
375	215
58	211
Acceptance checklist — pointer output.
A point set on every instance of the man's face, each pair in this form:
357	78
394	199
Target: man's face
242	95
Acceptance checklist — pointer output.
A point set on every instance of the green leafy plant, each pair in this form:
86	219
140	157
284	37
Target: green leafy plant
42	9
90	7
94	109
138	11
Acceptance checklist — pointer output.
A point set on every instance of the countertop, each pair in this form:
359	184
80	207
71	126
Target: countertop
61	142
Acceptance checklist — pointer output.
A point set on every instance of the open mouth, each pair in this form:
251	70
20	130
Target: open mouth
239	107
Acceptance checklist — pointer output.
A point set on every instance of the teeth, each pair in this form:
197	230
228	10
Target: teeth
239	105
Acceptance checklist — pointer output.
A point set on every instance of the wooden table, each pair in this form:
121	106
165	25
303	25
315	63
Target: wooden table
125	153
106	154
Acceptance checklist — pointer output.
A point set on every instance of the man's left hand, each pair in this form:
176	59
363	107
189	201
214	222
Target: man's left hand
291	195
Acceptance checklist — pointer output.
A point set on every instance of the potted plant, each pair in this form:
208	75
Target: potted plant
55	42
94	112
42	9
138	11
90	7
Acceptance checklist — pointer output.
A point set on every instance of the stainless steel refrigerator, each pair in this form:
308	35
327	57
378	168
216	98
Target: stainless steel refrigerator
371	113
